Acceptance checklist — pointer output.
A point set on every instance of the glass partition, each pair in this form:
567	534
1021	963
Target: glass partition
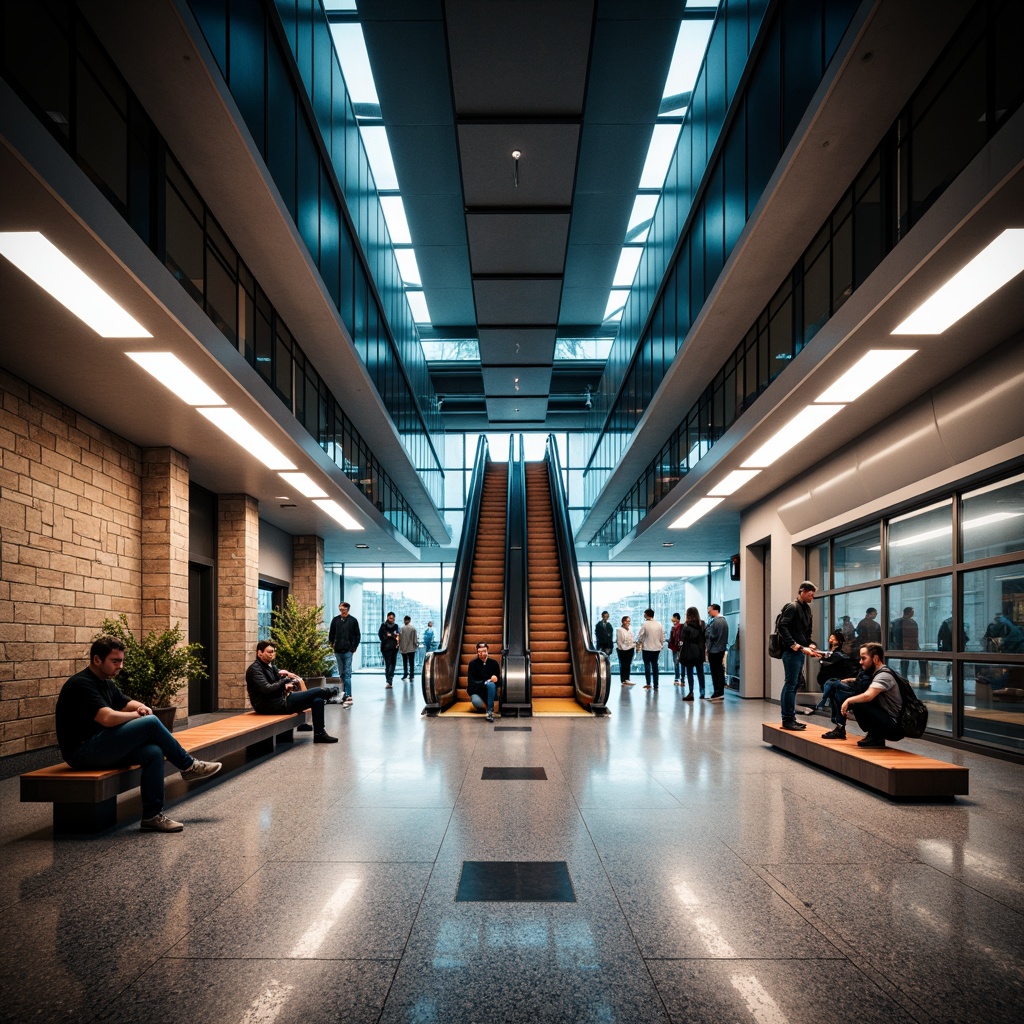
921	540
993	520
993	609
994	704
856	558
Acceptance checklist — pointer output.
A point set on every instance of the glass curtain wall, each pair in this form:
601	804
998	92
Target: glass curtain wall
942	589
905	175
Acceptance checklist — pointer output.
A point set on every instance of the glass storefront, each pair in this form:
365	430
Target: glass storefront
948	590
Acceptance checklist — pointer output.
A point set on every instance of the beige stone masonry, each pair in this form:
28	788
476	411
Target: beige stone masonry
238	550
308	570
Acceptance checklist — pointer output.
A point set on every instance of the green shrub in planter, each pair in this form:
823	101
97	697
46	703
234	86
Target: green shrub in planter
298	634
157	666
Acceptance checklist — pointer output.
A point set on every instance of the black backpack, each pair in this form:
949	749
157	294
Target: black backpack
913	717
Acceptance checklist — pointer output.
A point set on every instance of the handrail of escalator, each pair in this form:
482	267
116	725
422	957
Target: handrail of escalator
591	669
441	667
515	699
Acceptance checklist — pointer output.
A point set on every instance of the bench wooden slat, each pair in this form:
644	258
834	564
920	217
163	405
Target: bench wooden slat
890	770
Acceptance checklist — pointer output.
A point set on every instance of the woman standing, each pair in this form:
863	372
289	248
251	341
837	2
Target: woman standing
675	643
691	653
625	644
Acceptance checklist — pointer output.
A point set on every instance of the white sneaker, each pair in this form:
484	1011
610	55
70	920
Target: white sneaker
201	770
160	823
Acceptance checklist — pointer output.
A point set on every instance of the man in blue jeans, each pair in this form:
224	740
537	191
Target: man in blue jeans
274	691
796	626
344	637
482	681
99	727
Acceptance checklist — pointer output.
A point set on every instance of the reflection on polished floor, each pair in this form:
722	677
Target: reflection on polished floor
715	879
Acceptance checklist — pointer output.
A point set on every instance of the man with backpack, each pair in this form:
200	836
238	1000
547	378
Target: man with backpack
878	708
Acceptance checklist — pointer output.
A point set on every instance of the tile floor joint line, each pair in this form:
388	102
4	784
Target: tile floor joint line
848	952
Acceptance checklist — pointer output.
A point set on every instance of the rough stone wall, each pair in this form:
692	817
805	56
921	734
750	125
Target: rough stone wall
238	559
70	551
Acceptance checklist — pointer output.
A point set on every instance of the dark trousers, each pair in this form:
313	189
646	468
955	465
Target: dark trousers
651	666
390	656
834	694
625	660
689	674
408	665
145	742
716	662
315	698
876	722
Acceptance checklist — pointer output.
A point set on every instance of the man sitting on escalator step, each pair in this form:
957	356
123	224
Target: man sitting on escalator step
482	682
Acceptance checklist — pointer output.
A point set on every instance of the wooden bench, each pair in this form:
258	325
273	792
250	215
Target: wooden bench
890	769
86	801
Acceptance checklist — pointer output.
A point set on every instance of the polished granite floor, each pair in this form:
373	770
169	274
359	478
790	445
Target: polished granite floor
715	879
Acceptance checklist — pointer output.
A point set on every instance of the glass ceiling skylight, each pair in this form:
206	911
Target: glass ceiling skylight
691	45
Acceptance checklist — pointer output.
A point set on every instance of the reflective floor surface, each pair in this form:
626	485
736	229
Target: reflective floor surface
715	879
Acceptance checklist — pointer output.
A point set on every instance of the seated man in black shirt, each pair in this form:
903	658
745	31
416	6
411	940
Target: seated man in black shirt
273	691
99	727
482	681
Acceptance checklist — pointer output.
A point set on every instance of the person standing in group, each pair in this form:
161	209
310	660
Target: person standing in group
675	639
869	629
408	644
344	637
625	644
388	634
904	635
796	626
650	638
429	638
604	635
691	651
717	632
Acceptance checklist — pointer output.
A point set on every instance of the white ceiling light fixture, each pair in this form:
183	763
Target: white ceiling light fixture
999	262
791	435
865	373
700	508
304	484
733	482
337	513
167	368
38	258
248	437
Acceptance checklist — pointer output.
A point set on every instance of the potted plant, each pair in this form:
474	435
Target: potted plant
156	667
297	632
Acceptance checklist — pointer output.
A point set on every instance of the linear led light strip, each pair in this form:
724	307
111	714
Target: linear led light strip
864	374
178	378
38	258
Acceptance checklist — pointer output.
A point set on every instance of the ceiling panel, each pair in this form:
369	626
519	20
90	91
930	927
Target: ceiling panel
517	410
522	346
517	243
503	380
546	168
519	56
504	301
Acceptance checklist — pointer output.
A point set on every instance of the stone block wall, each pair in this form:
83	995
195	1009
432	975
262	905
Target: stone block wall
238	559
70	551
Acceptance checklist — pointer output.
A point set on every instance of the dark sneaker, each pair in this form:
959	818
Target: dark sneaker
490	717
161	823
794	726
201	770
335	692
871	741
305	727
689	696
323	737
838	733
717	696
347	700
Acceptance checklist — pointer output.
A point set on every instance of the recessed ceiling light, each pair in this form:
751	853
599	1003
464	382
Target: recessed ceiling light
668	543
791	435
698	509
866	373
42	261
733	482
337	513
304	485
363	547
175	375
248	437
1000	261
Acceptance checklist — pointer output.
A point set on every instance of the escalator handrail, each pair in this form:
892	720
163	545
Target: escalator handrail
441	667
581	648
515	637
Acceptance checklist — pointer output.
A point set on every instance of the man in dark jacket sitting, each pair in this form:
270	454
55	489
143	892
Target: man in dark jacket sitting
482	681
273	691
